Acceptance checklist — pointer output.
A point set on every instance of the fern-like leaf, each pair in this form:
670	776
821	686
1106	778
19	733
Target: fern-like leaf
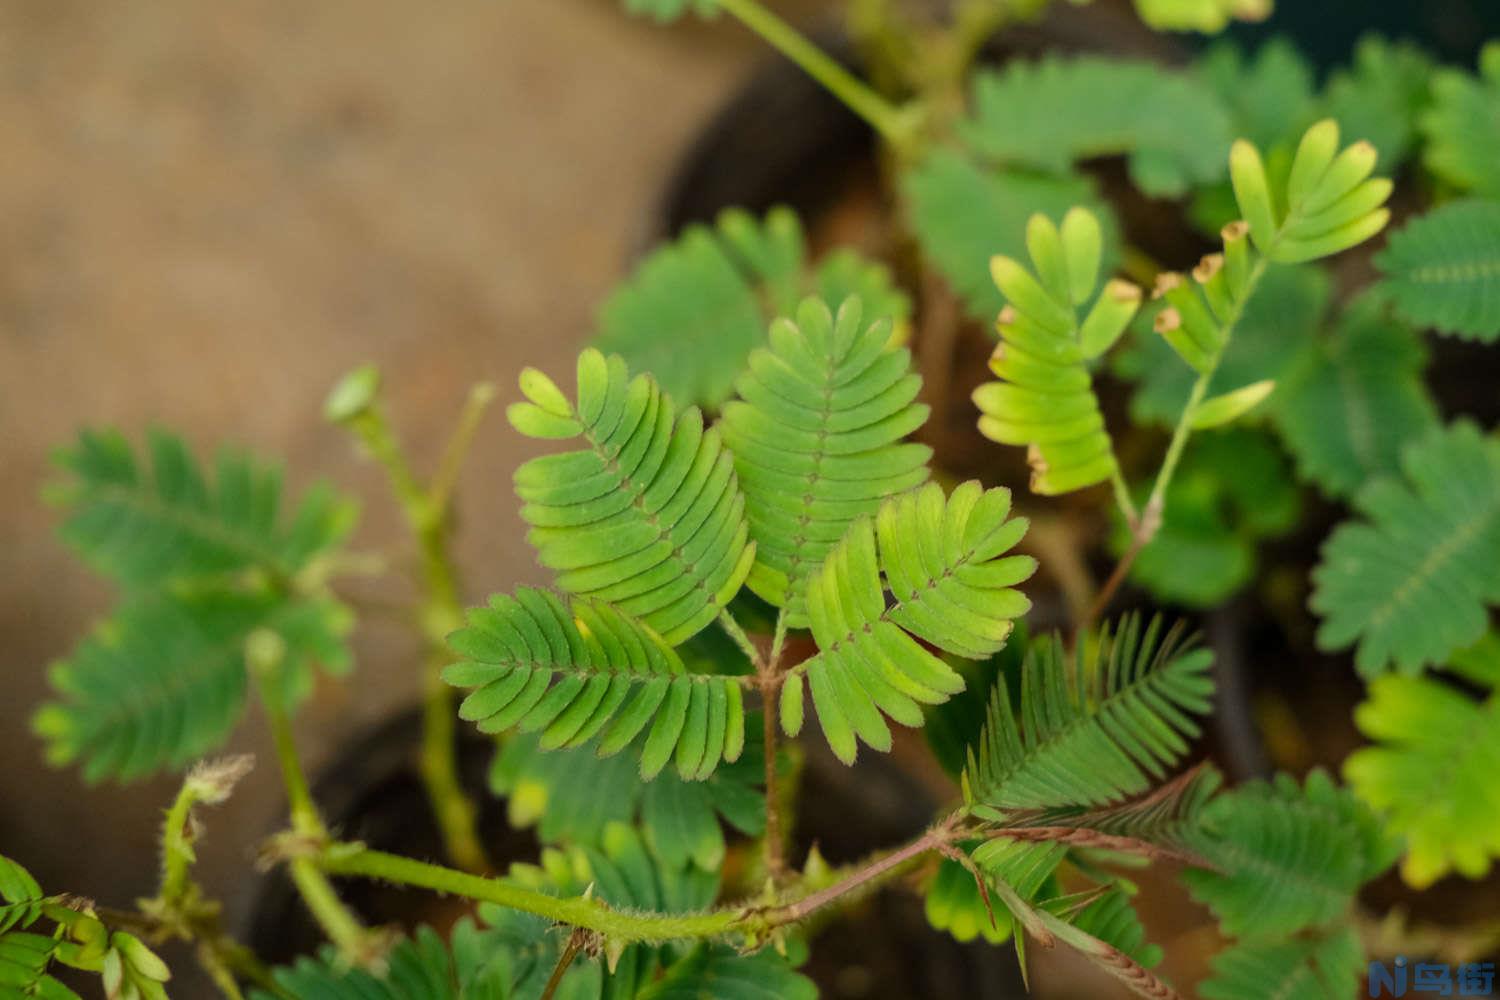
1270	94
1093	730
1304	968
1355	400
1443	270
163	681
648	515
694	308
145	526
20	897
963	215
1046	400
1159	822
24	961
1432	774
591	670
1286	857
1463	133
1049	114
720	972
817	440
945	564
1381	96
573	795
1411	582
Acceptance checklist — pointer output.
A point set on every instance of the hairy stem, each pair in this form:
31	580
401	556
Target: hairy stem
591	914
336	920
883	116
176	851
427	514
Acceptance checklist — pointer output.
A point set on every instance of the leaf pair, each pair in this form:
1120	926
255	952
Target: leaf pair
648	515
205	562
1046	399
572	674
952	586
1412	581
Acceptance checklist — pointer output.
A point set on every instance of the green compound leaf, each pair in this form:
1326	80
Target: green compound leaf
591	670
694	308
572	795
817	436
1462	130
1046	399
664	11
1411	581
1270	96
963	215
720	972
1049	114
1442	270
1355	400
24	960
149	524
1094	729
648	515
20	897
944	561
163	681
1431	774
1304	968
1381	96
1233	489
1286	857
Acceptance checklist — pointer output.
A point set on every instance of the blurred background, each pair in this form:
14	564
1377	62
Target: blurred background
208	212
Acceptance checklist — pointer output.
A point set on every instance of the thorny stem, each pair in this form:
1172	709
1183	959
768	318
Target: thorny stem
1145	527
427	513
590	914
893	123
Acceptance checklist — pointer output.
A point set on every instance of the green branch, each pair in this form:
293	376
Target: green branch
355	403
750	921
896	125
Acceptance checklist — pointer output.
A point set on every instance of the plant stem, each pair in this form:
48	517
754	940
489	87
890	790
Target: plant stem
1145	527
882	868
1122	499
775	849
569	952
886	118
577	911
176	852
589	913
427	514
338	923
